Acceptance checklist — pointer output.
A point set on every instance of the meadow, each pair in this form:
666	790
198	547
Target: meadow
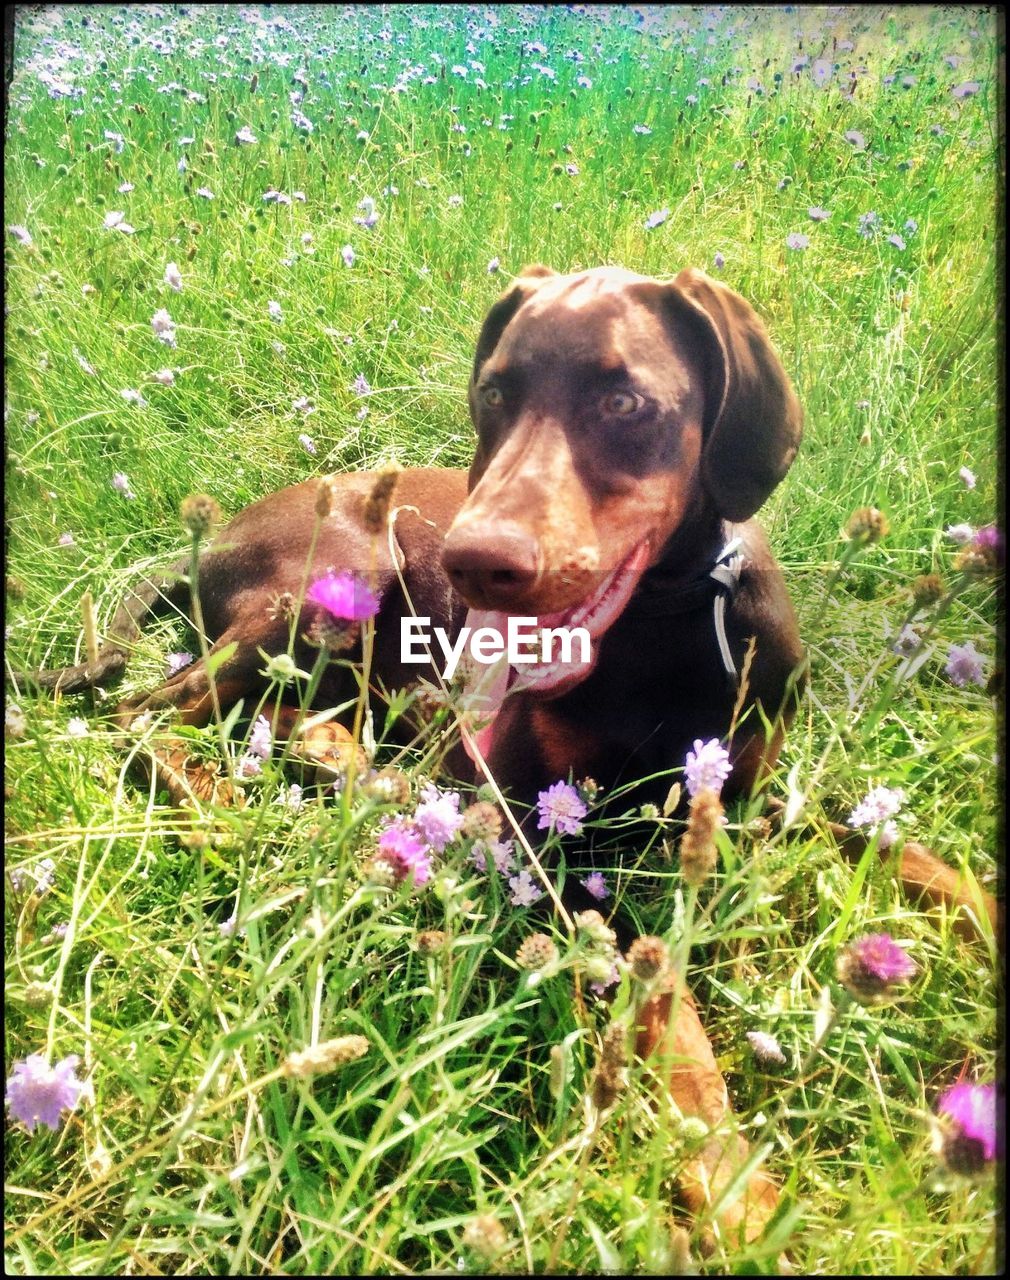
247	246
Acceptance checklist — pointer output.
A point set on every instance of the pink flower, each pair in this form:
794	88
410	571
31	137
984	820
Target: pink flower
403	850
707	767
872	966
561	808
972	1138
344	596
967	477
596	885
437	817
37	1093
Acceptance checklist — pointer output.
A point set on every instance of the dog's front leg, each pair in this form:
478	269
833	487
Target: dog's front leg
671	1037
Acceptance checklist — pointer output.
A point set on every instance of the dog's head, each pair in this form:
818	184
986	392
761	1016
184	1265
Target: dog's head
609	408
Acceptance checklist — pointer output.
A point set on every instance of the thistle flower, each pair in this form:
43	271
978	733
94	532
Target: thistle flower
698	854
321	1058
344	596
867	525
403	851
536	952
37	1093
873	967
927	589
968	1138
561	808
199	513
648	956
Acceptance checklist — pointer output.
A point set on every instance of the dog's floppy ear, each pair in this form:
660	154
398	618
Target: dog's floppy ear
503	310
753	421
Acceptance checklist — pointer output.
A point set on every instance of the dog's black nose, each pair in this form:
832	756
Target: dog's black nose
490	566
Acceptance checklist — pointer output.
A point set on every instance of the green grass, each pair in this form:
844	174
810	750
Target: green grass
195	1157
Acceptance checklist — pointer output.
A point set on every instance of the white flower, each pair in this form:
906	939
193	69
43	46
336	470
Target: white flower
967	477
21	234
173	277
164	327
245	136
205	192
114	221
77	728
133	397
274	307
165	376
125	188
347	253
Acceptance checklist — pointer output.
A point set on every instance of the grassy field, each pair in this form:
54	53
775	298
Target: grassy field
482	136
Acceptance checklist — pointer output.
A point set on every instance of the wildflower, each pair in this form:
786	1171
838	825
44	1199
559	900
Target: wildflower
656	218
855	139
966	90
989	542
344	596
249	766
59	931
927	589
965	665
291	797
387	786
371	214
698	856
37	1093
482	821
133	397
245	136
707	767
493	266
199	514
869	224
648	956
501	853
175	662
403	851
969	1139
274	308
347	253
164	327
66	540
321	1058
896	240
817	214
867	525
873	966
640	128
536	952
485	1236
876	812
165	377
307	443
583	82
596	886
180	165
430	941
797	240
718	260
960	533
438	817
125	188
118	139
967	477
121	484
766	1047
906	642
173	277
114	221
261	739
360	386
20	234
205	192
525	891
609	1077
77	728
561	808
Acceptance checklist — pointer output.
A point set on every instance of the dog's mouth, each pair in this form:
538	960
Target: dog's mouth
565	666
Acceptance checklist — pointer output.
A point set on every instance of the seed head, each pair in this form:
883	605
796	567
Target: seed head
867	525
927	589
200	514
321	1058
482	821
873	967
430	942
388	786
376	510
648	956
609	1078
596	930
698	855
485	1236
536	952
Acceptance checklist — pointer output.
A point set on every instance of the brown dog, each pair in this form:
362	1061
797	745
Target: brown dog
627	431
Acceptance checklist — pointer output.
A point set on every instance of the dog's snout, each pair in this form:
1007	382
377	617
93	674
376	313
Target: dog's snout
490	567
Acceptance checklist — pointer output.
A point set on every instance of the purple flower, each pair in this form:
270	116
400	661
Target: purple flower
855	139
989	538
960	533
600	988
165	377
344	596
816	214
347	253
360	386
971	1138
274	310
249	766
868	225
437	817
371	214
173	277
307	443
245	136
906	642
873	966
707	767
966	90
66	540
37	1093
21	235
718	261
164	327
876	813
205	192
121	483
525	890
596	885
501	853
176	661
965	665
797	240
403	850
656	219
261	739
493	266
561	808
896	240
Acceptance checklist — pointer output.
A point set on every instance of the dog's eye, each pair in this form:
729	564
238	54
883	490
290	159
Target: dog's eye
621	403
492	397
